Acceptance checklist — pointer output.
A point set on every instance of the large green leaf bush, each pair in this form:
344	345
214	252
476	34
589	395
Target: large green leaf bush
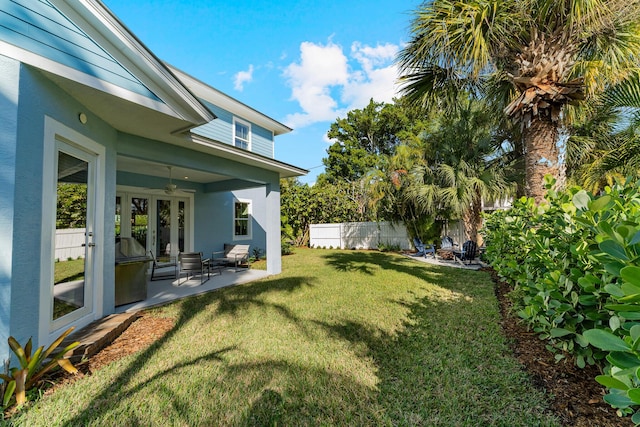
574	264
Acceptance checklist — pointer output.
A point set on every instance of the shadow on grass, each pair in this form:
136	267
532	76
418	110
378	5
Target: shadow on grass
445	366
228	300
446	369
369	262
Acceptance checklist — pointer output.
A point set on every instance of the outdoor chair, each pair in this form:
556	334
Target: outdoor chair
192	263
467	253
235	255
422	249
447	243
447	246
166	262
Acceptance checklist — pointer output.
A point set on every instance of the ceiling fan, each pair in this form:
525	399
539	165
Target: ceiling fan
172	188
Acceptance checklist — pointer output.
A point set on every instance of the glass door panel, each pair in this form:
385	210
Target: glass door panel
118	216
181	213
74	239
140	219
163	225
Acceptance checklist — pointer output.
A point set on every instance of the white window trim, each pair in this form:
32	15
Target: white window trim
233	221
249	134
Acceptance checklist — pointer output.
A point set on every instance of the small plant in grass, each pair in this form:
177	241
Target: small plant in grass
285	248
388	247
256	253
33	367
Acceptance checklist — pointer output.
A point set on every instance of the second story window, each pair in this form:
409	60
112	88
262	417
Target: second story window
241	134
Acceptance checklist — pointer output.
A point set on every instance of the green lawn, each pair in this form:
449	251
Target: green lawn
340	338
65	271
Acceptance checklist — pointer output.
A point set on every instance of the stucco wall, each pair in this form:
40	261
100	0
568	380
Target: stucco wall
40	97
10	72
214	219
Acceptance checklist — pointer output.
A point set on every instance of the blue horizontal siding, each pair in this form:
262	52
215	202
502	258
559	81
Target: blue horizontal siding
36	26
221	129
261	141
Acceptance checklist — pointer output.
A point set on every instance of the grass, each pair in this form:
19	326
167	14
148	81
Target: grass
340	338
66	271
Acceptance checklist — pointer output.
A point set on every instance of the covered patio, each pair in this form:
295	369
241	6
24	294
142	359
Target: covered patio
164	291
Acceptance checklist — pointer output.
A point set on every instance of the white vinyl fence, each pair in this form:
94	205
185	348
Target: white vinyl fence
69	243
358	235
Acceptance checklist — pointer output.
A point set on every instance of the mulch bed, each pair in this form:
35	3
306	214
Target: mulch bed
576	398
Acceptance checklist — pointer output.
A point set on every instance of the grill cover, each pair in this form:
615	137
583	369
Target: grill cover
129	249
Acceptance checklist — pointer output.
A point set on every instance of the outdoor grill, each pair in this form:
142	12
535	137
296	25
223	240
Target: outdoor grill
131	271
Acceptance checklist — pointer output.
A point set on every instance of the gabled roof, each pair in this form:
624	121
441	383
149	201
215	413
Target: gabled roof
88	52
99	23
216	97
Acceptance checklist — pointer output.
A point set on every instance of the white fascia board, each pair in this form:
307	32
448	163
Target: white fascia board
45	64
94	18
228	103
233	153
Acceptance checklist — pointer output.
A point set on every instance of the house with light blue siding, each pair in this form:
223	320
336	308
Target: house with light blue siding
157	155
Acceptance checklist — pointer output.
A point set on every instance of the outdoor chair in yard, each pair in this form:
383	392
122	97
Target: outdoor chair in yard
467	253
192	263
446	248
422	249
235	255
163	263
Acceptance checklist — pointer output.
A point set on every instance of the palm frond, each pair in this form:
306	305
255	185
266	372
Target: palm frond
624	94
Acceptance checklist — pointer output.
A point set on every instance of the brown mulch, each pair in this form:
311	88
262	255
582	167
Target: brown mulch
576	398
143	332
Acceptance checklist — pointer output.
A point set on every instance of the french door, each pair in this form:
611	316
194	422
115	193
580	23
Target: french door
72	231
74	268
159	223
168	229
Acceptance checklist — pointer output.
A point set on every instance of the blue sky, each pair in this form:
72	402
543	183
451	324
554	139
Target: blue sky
304	63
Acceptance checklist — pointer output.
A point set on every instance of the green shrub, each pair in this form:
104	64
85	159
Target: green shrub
388	247
286	248
574	264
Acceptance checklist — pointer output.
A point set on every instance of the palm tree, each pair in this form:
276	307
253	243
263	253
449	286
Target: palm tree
605	144
537	55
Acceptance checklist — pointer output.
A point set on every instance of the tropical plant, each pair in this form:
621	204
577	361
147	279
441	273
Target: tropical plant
574	264
537	56
605	142
34	366
457	171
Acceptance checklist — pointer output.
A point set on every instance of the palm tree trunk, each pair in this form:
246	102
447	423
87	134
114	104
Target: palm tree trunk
472	220
541	156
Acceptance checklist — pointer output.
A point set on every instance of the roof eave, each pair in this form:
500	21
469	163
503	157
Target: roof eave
216	97
109	32
221	149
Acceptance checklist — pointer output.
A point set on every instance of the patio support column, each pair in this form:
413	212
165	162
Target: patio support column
274	262
9	90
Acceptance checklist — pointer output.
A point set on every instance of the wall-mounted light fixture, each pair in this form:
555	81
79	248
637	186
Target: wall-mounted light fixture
83	118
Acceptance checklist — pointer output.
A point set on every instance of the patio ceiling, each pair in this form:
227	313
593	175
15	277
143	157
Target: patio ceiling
144	167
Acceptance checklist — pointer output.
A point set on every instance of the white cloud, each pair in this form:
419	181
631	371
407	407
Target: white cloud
326	83
327	140
320	68
242	77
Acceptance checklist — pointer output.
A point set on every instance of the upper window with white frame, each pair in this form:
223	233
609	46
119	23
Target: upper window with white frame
241	134
242	219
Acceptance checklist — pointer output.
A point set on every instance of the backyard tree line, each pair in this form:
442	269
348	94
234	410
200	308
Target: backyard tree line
495	95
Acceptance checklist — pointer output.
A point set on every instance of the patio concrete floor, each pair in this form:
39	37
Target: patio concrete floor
476	264
102	332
